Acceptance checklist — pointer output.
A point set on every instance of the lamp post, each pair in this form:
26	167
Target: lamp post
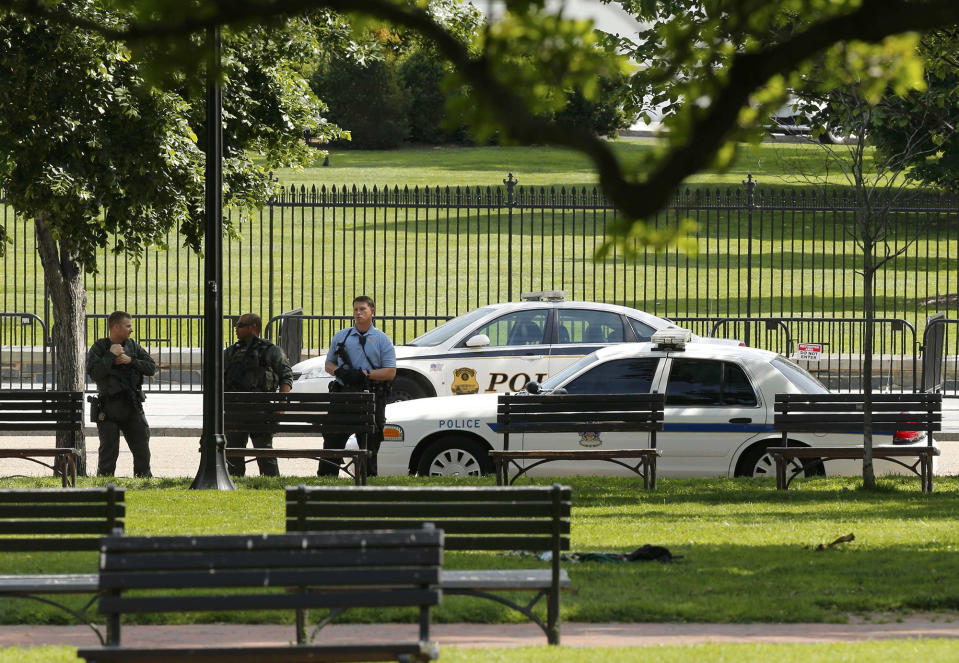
212	473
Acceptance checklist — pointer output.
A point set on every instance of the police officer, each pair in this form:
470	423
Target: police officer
254	364
361	357
117	364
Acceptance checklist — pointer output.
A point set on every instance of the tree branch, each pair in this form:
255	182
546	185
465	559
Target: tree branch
871	22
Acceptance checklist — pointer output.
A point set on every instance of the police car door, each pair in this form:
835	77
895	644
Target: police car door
711	409
517	352
581	331
634	375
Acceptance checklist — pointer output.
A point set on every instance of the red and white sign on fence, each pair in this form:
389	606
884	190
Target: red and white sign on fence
809	351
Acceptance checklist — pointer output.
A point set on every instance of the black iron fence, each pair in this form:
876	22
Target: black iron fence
427	254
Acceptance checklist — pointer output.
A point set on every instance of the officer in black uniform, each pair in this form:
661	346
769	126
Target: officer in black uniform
117	364
254	364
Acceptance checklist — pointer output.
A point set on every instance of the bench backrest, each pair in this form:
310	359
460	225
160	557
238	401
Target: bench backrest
57	519
843	413
35	410
270	572
534	518
311	413
578	413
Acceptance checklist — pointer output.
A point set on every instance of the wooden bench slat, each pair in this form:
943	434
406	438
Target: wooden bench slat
38	395
367	598
55	526
61	543
274	577
579	454
449	527
291	541
445	510
855	452
61	416
55	496
299	654
392	494
389	556
62	511
501	579
74	583
911	397
903	418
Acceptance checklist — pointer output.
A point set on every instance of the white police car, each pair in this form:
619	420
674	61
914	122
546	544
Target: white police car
717	421
501	347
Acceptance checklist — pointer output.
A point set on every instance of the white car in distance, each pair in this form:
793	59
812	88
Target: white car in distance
501	347
717	421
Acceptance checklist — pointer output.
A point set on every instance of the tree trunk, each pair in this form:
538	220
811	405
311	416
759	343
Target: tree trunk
64	279
868	276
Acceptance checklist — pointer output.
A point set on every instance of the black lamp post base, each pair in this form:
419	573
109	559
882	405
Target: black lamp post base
212	473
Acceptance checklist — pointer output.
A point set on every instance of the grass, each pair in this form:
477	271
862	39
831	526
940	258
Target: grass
929	650
748	551
768	162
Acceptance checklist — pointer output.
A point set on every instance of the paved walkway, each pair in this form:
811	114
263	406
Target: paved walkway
499	635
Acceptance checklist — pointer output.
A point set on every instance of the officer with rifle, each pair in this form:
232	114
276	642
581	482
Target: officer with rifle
254	364
362	358
117	364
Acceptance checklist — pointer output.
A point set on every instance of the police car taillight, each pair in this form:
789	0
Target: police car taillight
907	436
671	339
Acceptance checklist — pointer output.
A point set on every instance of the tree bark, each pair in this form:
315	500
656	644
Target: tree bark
64	279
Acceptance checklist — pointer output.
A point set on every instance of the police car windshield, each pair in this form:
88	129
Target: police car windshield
449	329
799	376
570	370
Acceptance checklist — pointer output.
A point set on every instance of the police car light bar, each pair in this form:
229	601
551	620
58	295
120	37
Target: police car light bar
675	338
544	295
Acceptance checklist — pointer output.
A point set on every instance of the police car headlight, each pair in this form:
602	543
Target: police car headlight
393	432
314	373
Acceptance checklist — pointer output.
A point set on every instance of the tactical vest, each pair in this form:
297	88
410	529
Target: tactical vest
249	370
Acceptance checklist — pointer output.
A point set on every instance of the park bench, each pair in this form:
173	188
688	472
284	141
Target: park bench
892	414
586	414
532	519
53	520
302	414
296	572
31	411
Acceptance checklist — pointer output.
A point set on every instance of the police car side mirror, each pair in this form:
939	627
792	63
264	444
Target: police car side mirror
478	341
532	387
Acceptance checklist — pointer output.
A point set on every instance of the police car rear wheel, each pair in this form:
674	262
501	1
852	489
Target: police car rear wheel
758	462
455	456
406	389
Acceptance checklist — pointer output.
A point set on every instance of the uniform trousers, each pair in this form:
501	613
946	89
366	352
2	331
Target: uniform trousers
123	416
237	464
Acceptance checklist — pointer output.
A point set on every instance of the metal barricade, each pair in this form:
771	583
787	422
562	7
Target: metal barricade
26	352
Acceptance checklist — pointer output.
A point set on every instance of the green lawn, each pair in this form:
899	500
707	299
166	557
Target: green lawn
772	164
748	551
928	651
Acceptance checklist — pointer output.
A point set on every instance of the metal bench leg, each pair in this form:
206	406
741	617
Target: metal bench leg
552	617
498	463
780	471
300	626
651	471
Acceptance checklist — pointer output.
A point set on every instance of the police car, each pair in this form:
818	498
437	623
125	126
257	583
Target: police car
717	420
501	347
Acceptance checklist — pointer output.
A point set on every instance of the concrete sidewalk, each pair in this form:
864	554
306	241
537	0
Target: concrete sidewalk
498	635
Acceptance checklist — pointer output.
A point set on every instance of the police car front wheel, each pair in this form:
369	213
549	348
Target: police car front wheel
406	389
455	456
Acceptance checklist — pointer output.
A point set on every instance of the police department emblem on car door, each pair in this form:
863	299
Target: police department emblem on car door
589	440
464	381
